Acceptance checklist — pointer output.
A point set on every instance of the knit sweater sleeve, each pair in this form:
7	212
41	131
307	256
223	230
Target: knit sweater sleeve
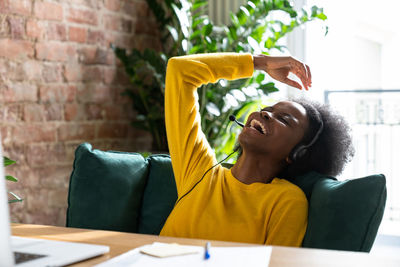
190	152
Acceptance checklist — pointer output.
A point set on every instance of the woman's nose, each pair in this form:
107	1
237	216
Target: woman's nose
265	114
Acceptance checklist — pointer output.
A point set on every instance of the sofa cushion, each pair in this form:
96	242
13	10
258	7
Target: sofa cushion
159	195
106	189
307	181
345	215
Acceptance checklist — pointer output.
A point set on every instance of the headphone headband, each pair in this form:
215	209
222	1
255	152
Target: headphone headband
302	149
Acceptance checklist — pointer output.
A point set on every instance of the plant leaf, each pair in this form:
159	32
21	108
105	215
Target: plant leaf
173	32
11	178
16	198
8	161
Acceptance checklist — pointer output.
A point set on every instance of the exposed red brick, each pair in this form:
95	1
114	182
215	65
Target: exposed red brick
120	40
18	92
34	112
56	31
94	55
11	113
20	7
53	112
145	27
4	26
95	112
53	176
11	70
116	23
17	27
112	22
34	29
82	16
77	34
37	200
60	85
112	130
39	132
52	73
96	37
109	75
32	70
55	51
88	3
74	112
16	49
44	154
70	111
92	74
94	93
114	112
73	72
75	131
57	93
6	136
137	8
113	5
147	41
57	198
48	10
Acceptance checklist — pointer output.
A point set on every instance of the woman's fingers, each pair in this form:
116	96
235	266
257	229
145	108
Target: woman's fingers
302	77
302	71
309	75
284	65
292	83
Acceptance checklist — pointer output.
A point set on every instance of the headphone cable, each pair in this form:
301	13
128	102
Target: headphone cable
203	177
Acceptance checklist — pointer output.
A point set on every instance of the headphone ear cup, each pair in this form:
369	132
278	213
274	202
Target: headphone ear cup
301	153
298	153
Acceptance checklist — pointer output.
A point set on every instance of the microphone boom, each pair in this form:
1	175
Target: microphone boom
233	118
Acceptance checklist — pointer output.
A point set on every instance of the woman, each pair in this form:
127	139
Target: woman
247	203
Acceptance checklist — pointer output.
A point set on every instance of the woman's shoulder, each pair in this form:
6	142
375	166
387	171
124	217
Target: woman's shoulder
289	189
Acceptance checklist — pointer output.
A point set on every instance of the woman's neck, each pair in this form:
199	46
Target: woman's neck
253	168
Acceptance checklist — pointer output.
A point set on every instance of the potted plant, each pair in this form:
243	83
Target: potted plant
16	198
185	28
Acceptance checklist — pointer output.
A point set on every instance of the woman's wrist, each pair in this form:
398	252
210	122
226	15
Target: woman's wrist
260	61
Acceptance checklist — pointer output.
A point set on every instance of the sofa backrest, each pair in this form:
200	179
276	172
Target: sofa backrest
106	189
124	192
159	196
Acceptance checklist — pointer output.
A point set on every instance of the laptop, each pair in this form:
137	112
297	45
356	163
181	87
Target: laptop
19	251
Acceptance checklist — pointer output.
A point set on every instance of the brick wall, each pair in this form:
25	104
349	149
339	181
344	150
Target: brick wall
60	85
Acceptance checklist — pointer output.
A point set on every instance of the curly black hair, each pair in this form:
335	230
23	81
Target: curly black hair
332	149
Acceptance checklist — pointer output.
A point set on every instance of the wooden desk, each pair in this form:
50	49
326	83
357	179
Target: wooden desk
122	242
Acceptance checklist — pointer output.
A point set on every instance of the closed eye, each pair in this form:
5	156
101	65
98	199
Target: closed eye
282	119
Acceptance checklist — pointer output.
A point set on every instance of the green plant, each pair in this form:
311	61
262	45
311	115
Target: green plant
8	162
185	28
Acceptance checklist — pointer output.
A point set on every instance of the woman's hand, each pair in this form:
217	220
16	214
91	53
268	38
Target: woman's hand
279	67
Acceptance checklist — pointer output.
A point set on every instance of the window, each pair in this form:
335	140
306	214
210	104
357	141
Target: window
355	69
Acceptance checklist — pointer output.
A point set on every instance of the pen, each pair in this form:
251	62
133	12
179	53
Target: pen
207	251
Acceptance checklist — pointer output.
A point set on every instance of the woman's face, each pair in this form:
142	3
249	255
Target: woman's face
274	130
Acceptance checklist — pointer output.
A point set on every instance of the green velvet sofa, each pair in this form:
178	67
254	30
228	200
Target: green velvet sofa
122	191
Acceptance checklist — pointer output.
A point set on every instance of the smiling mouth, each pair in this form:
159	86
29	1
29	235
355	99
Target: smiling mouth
255	124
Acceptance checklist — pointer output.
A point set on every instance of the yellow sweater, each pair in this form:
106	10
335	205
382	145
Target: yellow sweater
221	207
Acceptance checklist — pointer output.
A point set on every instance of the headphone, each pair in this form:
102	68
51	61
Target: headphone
296	153
301	150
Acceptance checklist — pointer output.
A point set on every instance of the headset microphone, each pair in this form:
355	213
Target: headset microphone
233	118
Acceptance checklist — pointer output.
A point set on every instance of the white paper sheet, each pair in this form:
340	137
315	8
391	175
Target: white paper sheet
219	256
